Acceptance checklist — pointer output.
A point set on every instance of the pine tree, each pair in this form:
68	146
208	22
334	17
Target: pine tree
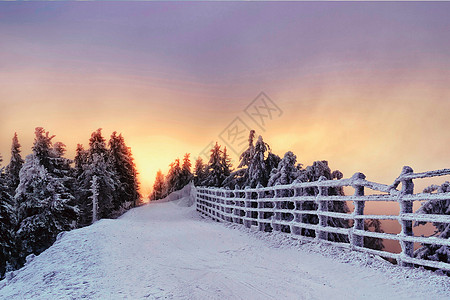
15	164
272	162
254	167
199	171
98	164
226	163
80	160
439	207
286	172
43	201
173	177
6	223
215	175
257	171
186	174
313	173
127	191
158	187
247	155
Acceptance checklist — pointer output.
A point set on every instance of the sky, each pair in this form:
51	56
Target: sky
362	85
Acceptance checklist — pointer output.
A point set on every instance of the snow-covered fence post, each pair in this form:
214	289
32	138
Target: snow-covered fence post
216	205
261	205
248	208
239	203
227	202
235	210
357	240
322	206
406	207
276	206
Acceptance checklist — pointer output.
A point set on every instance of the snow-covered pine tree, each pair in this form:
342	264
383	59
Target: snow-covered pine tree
80	163
173	177
247	155
272	162
313	173
158	187
80	160
257	171
14	166
286	172
199	171
97	164
226	163
257	163
6	223
42	200
186	174
127	192
215	175
439	207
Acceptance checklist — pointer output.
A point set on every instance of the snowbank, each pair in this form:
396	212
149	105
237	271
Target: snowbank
183	197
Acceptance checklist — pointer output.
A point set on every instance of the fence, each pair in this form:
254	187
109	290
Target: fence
283	207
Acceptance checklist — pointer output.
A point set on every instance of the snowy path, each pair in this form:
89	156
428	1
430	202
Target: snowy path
167	251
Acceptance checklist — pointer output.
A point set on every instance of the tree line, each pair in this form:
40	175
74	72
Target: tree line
48	193
260	167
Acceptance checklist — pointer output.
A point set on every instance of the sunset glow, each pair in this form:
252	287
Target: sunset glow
363	86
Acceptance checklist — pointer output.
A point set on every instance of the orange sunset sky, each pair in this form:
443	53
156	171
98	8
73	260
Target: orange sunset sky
362	85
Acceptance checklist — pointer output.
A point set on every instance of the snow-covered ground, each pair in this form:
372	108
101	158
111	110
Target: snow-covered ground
167	251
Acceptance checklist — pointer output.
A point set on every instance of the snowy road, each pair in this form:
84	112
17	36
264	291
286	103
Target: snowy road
164	251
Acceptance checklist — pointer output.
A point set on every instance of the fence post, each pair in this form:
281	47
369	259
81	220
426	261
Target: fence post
260	202
248	210
358	224
298	218
235	210
228	202
322	207
406	207
276	215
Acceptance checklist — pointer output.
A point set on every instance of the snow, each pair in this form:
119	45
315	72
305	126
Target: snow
167	250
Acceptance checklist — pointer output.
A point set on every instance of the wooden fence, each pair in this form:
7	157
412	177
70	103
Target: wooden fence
267	208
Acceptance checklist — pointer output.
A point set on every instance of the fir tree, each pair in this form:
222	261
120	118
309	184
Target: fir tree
215	175
313	173
173	177
199	171
43	201
272	162
6	223
158	187
14	166
247	155
186	174
257	171
80	160
127	191
98	164
226	163
286	171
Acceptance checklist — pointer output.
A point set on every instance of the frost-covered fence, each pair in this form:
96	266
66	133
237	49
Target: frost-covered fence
283	208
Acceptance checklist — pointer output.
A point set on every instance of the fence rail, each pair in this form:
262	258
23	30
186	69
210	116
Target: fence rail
269	209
